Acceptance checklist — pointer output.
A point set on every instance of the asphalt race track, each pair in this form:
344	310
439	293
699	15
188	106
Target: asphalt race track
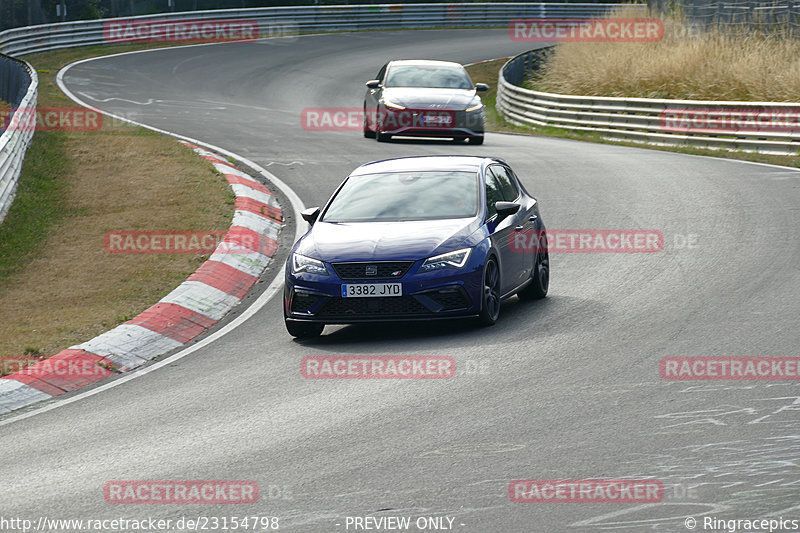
565	388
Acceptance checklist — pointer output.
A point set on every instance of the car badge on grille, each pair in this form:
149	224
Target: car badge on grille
396	273
371	270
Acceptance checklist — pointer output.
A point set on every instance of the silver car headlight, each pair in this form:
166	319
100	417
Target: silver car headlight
455	259
392	105
301	263
476	107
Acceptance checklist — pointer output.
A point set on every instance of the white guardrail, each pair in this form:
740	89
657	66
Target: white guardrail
764	127
18	87
280	21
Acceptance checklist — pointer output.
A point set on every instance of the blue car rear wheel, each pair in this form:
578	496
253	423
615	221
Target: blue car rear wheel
540	278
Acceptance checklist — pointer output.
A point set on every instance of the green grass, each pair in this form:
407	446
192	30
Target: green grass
38	205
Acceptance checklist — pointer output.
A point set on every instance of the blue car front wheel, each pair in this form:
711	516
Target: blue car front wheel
490	306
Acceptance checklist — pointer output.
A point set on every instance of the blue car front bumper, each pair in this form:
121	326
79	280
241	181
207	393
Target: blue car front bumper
447	293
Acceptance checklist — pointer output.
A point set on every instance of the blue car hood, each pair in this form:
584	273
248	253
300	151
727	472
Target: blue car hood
385	241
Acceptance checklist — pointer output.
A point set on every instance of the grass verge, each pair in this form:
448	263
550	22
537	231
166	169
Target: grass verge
488	73
58	286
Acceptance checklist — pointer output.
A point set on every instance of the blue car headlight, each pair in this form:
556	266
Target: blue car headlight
455	259
301	263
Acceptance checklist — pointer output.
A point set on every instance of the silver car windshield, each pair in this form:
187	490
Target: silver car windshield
399	196
443	77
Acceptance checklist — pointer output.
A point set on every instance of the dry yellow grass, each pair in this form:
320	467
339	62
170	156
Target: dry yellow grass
487	73
684	65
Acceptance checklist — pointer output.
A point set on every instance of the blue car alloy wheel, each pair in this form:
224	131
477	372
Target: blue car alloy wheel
416	238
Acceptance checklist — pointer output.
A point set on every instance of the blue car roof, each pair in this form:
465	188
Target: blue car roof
425	163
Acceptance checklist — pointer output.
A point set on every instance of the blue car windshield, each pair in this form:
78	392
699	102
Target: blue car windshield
442	77
401	196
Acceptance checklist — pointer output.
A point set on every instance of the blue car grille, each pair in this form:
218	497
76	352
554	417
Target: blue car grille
364	307
372	270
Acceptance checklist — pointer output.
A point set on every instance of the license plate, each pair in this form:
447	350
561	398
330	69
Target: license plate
371	290
437	120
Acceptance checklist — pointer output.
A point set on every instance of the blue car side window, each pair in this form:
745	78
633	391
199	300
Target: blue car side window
493	194
507	185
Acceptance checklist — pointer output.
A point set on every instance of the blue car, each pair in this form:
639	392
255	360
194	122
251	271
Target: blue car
417	238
